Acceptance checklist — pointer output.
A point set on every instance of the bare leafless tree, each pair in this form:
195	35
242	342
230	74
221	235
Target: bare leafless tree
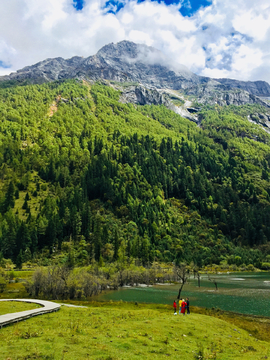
196	274
182	274
199	278
213	281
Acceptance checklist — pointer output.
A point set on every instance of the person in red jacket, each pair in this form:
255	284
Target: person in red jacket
175	306
183	309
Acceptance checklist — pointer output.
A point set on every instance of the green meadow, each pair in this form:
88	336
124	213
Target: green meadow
130	331
8	307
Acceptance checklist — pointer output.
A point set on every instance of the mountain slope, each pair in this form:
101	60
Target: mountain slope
129	181
127	61
258	88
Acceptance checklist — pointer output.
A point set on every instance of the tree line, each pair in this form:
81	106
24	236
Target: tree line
113	179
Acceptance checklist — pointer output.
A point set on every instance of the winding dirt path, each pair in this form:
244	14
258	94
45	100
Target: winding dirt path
47	307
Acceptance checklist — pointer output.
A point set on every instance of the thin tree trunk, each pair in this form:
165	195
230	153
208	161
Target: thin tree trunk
199	280
179	293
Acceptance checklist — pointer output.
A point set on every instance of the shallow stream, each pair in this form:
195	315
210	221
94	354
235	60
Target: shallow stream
247	293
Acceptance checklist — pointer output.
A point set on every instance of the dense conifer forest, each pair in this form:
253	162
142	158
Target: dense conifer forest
86	178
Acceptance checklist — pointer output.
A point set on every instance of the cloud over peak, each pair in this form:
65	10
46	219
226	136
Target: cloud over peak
217	39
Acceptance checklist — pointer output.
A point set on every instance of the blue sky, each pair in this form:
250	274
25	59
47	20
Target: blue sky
188	7
4	65
214	38
78	4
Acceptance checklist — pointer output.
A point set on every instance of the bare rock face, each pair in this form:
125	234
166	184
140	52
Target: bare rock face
46	70
127	62
146	65
258	88
261	119
215	93
143	96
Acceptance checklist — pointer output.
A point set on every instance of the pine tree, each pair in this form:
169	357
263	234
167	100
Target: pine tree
19	260
115	244
9	198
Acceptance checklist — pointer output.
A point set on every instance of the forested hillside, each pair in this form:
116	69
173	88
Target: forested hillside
84	177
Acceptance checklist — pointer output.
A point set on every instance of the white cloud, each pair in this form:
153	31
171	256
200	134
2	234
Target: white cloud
227	39
139	37
253	23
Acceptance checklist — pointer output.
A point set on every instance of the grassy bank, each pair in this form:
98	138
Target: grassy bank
128	331
8	307
257	326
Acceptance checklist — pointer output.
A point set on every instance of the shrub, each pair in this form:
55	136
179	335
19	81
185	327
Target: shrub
3	284
250	267
265	266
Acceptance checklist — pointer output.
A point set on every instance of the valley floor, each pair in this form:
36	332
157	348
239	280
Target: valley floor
128	331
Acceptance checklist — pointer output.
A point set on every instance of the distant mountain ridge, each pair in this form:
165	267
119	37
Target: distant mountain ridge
128	62
258	88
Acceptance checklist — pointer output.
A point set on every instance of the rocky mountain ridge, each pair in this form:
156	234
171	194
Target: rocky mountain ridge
128	62
146	76
215	93
258	88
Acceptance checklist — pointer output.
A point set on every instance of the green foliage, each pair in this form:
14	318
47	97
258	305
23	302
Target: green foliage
265	266
62	282
19	260
3	283
118	181
12	83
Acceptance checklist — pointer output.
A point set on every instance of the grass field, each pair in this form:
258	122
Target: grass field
8	307
111	331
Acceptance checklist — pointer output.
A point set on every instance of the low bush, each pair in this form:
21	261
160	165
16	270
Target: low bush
265	266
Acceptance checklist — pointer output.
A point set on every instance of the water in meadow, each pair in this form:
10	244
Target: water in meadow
247	293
